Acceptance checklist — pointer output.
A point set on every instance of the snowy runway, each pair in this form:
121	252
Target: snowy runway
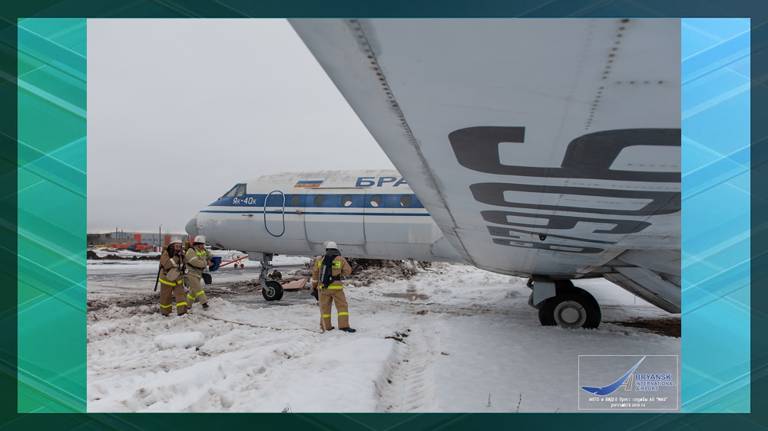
452	338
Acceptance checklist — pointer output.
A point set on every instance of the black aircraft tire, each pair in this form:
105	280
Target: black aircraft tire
546	312
594	315
273	291
548	308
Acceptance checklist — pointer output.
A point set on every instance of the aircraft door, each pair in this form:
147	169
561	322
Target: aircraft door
274	213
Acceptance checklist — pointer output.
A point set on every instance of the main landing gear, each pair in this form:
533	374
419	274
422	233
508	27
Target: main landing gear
271	290
561	303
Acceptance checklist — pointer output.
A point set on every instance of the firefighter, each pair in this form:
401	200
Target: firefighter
327	272
198	259
171	279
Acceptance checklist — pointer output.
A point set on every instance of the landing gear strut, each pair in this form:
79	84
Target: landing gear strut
271	290
561	303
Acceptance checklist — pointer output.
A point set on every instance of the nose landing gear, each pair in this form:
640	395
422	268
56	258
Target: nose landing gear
271	290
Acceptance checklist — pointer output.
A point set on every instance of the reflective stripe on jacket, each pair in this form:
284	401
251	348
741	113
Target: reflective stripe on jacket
339	267
166	264
197	260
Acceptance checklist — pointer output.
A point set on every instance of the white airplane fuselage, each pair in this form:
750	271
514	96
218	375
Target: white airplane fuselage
369	214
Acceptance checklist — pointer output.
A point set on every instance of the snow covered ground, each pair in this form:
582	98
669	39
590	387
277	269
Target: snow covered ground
123	254
452	338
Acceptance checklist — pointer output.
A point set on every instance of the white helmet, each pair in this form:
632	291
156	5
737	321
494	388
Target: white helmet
330	245
200	239
175	241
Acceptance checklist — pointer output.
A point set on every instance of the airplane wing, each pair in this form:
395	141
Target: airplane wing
539	146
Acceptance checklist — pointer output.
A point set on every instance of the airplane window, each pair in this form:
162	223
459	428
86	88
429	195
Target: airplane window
295	201
319	199
237	190
406	201
375	201
232	192
346	200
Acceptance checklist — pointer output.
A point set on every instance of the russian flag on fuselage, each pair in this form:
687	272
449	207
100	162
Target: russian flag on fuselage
310	184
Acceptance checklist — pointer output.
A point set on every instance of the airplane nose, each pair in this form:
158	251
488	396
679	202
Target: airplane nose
191	227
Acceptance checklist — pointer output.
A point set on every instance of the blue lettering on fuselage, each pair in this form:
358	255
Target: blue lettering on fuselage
381	181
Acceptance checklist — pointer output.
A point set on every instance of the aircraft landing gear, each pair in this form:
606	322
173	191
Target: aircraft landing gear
561	303
271	290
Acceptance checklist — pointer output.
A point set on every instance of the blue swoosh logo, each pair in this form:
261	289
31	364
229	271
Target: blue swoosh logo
607	390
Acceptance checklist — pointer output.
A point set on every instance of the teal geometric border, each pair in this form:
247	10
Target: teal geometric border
716	215
51	215
758	419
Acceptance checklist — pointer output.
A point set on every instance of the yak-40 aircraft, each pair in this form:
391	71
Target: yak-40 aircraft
545	148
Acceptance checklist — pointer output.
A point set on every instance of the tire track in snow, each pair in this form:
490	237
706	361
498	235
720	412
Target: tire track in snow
407	382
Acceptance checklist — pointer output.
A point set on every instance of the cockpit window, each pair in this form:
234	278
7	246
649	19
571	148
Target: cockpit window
231	192
238	190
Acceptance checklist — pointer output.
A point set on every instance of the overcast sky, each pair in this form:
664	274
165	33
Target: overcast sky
181	110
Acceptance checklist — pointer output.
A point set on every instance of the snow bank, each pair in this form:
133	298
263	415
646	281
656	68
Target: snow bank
290	260
180	340
124	254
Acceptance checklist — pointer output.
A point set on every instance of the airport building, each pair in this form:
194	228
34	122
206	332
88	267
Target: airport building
138	241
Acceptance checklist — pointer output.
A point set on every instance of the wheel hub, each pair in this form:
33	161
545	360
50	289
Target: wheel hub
570	314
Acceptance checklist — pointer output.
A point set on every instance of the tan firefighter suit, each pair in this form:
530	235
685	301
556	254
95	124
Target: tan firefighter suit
197	261
172	283
333	293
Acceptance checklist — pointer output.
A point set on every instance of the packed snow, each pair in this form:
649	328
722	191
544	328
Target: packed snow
452	338
181	340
